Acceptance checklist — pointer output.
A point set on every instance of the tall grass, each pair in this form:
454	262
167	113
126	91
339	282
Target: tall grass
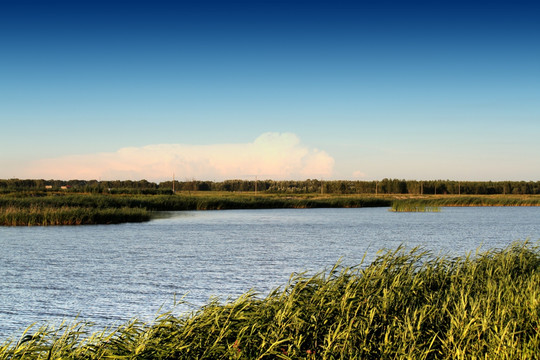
496	200
69	215
111	209
412	206
404	305
210	201
434	203
186	202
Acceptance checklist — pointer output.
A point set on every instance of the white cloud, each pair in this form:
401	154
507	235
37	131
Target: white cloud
358	174
270	156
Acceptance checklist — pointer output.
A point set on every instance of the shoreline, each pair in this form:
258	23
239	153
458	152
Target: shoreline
93	209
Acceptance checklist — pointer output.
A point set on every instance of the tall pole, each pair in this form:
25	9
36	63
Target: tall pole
173	182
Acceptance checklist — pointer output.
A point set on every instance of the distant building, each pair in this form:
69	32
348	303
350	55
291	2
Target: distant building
48	187
65	187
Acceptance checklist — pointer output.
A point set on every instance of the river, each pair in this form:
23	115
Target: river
108	274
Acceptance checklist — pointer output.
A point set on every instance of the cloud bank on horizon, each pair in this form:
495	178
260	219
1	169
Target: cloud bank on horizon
276	156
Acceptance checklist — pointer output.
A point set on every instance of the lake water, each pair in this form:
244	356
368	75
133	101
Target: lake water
109	274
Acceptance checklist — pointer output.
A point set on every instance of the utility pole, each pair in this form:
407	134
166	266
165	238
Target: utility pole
256	181
173	183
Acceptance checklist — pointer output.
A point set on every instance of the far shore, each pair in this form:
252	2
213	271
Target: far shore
69	208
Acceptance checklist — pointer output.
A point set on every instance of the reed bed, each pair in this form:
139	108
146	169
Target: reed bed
143	205
496	200
404	305
80	209
187	202
412	206
69	215
433	204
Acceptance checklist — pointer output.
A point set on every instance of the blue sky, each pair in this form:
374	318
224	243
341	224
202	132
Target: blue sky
368	90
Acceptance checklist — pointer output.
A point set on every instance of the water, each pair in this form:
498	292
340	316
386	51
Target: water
109	274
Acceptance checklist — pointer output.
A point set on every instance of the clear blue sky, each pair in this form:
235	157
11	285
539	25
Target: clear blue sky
414	90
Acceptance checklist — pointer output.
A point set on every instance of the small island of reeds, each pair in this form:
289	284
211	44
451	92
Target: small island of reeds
412	206
404	305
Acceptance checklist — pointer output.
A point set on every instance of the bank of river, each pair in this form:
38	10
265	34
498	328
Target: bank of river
86	209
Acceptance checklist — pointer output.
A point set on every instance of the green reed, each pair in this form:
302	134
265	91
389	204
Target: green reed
222	201
433	203
69	215
404	305
412	206
187	202
80	209
495	200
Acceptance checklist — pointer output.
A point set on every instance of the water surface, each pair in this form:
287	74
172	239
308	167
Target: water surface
109	274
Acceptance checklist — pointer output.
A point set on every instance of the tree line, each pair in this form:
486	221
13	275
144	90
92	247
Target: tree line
384	186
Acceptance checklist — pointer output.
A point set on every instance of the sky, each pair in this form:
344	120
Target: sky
212	90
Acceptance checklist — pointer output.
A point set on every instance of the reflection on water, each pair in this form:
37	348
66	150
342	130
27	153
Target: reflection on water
109	274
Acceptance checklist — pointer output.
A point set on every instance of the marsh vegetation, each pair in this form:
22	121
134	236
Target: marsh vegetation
405	304
412	206
69	215
75	209
59	208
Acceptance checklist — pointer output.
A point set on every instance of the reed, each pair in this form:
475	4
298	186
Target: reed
118	204
188	202
69	215
412	206
216	201
404	305
495	200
